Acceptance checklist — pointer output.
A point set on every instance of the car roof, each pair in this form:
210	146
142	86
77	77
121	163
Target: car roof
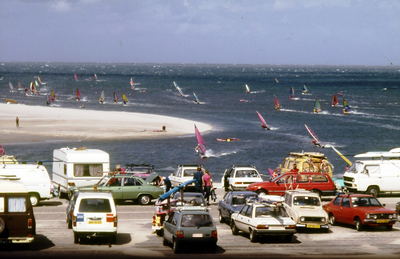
302	192
192	210
12	186
95	194
355	195
188	194
243	192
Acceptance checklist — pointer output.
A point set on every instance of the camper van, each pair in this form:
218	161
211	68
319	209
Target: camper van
76	167
34	177
374	173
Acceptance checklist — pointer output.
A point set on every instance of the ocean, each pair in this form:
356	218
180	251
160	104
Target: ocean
373	124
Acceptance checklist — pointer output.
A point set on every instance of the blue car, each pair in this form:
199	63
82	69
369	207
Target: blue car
232	202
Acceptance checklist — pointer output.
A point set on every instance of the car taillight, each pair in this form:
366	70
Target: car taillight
30	223
214	233
262	227
109	218
115	221
238	183
74	220
179	234
71	184
290	226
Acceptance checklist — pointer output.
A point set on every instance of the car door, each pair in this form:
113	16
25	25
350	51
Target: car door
114	185
302	181
169	224
17	208
334	208
132	188
244	217
346	211
225	205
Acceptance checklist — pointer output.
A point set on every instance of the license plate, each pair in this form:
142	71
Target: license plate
276	228
197	235
94	222
313	226
382	221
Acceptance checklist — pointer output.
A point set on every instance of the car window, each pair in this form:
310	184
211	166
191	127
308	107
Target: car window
337	201
196	220
302	178
364	202
346	202
243	211
189	172
288	199
306	201
94	205
114	182
16	204
270	211
286	179
285	164
238	200
171	216
319	178
249	211
372	169
103	181
227	197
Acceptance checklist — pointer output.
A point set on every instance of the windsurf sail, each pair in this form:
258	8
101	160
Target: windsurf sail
53	95
40	80
341	155
78	95
247	88
32	88
317	106
19	86
196	100
132	84
276	80
277	106
291	93
264	123
10	85
116	99
37	86
334	101
95	77
316	140
2	152
201	144
305	90
102	97
346	107
179	89
76	77
48	101
124	98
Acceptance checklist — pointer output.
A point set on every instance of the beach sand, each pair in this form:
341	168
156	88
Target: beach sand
40	124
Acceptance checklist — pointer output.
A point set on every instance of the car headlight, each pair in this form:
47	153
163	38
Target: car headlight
394	215
353	180
375	216
368	216
322	219
302	219
390	216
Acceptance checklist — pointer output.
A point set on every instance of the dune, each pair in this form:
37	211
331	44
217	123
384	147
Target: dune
39	124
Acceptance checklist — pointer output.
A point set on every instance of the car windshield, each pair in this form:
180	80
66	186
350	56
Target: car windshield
356	167
197	200
365	202
103	181
196	220
306	201
246	173
270	211
95	205
240	200
189	172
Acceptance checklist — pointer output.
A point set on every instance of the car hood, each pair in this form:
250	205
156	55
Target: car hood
268	220
151	177
373	209
310	211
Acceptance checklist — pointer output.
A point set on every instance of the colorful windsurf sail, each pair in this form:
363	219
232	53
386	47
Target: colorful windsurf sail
78	95
53	95
116	99
132	84
179	89
196	100
10	85
32	88
76	77
291	93
95	77
264	123
40	80
37	86
277	105
346	107
201	144
102	97
124	98
247	88
276	80
317	106
48	100
334	101
19	86
316	140
305	90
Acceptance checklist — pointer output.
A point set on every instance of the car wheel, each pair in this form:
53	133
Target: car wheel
252	236
113	239
76	238
221	219
165	242
332	219
288	238
373	190
261	191
2	225
234	229
34	199
144	199
389	227
176	247
160	232
359	225
69	223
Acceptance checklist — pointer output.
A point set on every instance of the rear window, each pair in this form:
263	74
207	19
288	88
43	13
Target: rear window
196	220
271	211
319	178
189	172
95	205
16	204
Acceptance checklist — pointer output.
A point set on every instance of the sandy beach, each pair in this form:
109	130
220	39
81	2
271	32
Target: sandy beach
39	124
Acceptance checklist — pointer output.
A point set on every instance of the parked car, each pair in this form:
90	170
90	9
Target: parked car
239	177
320	183
128	187
360	210
190	226
233	201
183	174
17	221
262	219
305	208
189	199
95	215
70	209
142	170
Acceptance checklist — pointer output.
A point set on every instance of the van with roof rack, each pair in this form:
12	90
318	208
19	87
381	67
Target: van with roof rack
307	162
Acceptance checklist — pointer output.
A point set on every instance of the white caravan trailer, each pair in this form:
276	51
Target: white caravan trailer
374	173
76	167
34	177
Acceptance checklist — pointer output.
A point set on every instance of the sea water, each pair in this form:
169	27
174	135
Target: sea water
373	124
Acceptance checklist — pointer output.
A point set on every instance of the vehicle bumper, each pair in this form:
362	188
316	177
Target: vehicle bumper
195	241
379	222
266	232
16	240
312	226
95	234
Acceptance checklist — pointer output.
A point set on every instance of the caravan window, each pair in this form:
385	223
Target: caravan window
88	170
1	204
16	204
372	169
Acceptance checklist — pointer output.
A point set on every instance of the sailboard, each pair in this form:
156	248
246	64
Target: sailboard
247	88
317	106
346	107
228	139
32	88
196	100
179	89
264	123
76	77
95	77
19	86
124	98
78	95
10	85
48	100
305	90
201	145
53	95
116	99
291	93
277	105
334	101
102	97
11	101
316	141
132	84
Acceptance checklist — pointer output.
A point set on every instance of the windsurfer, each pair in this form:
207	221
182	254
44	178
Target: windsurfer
265	127
317	144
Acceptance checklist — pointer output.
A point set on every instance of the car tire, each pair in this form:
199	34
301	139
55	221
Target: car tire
144	199
221	219
113	239
34	197
165	242
76	238
359	225
374	190
332	219
252	236
388	227
69	223
2	225
262	191
160	232
176	247
235	230
288	238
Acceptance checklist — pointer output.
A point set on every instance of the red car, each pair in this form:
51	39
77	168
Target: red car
360	210
317	182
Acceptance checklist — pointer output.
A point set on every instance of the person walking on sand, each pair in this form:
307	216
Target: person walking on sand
207	185
17	122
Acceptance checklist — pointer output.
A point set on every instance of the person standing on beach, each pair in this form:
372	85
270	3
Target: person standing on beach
198	176
17	122
207	183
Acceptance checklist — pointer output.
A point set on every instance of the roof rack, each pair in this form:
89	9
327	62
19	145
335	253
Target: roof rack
192	208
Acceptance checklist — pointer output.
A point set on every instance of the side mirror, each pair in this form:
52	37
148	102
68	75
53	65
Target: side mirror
384	205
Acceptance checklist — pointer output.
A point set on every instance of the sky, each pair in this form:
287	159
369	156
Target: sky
274	32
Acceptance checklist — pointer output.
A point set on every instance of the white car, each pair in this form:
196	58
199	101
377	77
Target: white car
183	174
237	178
258	218
94	215
305	208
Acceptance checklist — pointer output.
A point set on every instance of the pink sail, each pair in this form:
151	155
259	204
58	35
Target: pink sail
264	123
316	140
200	141
78	94
76	77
